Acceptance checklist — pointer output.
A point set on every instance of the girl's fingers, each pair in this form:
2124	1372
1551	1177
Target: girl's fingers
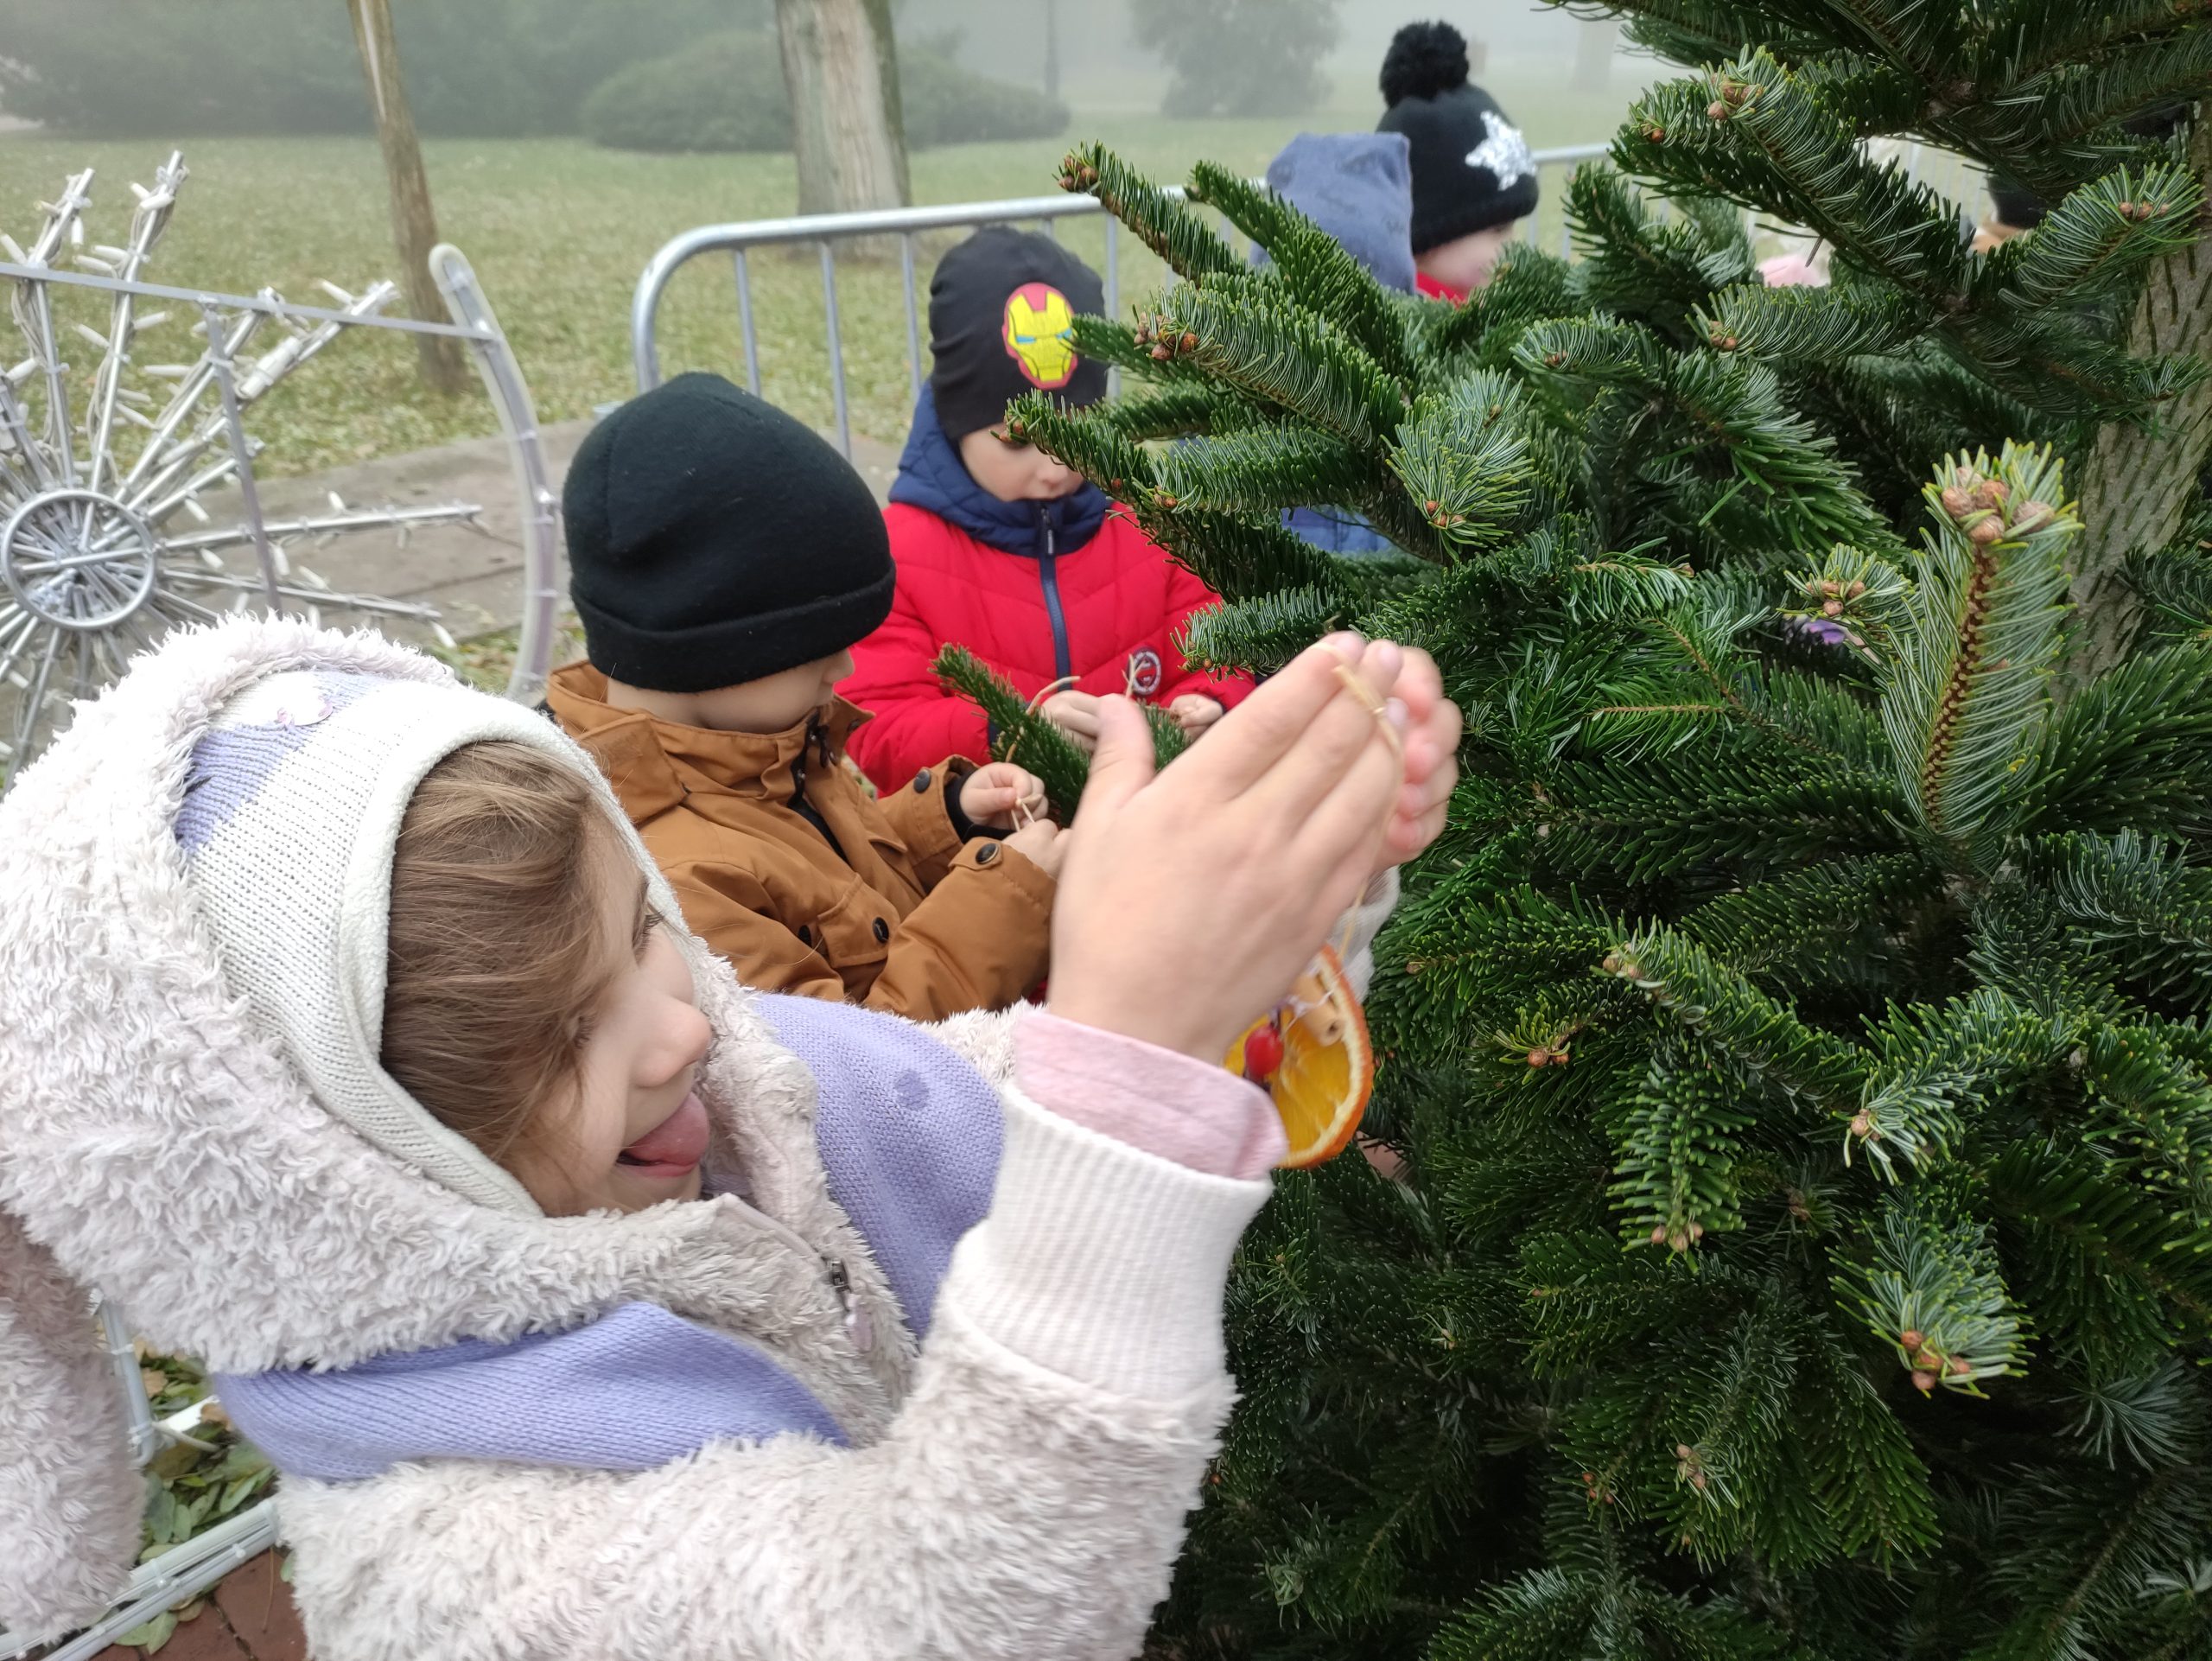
1352	724
1350	820
1271	722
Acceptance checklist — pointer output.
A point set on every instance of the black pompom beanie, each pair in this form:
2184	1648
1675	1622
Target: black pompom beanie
713	540
999	304
1471	166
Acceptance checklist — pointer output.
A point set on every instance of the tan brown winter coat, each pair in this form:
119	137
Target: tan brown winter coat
786	866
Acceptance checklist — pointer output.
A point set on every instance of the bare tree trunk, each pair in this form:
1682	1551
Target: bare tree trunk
841	69
1594	38
2137	490
413	224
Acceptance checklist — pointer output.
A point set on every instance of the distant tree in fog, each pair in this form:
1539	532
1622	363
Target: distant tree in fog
1239	57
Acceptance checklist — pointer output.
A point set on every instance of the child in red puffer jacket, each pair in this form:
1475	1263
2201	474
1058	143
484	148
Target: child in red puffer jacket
1003	551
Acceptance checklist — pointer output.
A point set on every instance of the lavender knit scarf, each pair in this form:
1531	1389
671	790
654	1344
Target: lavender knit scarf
910	1136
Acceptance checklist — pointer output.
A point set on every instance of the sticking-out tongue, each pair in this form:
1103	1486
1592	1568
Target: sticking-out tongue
677	1143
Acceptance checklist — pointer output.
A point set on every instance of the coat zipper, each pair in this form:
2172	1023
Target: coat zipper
1048	573
802	807
858	1326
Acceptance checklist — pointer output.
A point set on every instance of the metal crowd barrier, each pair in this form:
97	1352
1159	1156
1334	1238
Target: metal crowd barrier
827	231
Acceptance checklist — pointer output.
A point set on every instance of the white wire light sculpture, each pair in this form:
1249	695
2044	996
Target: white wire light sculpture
105	544
105	541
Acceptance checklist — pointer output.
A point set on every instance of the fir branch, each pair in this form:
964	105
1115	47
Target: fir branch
1776	467
1114	343
1823	326
1089	443
1777	146
1872	1487
1965	698
1247	333
1260	469
2131	750
1462	459
1924	41
2096	241
1623	587
1174	412
1018	733
1675	813
1934	1061
1528	286
1751	1031
1801	924
2160	1102
2112	1266
1674	1160
1259	635
1191	247
2019	40
2061	130
1314	265
1241	557
2140	900
1660	274
1934	1277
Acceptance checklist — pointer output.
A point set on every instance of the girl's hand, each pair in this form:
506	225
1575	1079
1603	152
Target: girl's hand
1075	714
989	795
1194	712
1431	728
1191	901
1042	843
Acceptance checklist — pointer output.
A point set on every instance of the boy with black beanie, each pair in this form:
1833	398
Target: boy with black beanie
1473	174
1003	551
723	560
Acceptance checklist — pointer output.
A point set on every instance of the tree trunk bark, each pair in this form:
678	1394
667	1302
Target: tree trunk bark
2137	489
841	69
413	224
1593	52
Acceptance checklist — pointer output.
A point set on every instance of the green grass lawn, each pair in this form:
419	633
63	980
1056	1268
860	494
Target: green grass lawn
559	230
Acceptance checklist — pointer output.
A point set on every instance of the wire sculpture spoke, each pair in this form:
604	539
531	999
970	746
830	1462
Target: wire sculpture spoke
106	540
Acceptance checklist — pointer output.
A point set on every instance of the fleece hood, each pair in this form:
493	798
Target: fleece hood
168	1137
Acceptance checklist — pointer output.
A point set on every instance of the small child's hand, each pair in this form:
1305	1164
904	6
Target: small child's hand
1075	714
989	795
1194	712
1192	900
1042	844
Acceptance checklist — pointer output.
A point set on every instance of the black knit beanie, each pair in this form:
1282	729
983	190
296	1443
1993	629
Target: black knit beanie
1471	167
713	540
1001	305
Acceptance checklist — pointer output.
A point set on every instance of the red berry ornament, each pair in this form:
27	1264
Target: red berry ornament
1263	1053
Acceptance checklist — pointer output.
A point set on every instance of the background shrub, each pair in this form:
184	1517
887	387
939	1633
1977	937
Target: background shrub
946	104
726	92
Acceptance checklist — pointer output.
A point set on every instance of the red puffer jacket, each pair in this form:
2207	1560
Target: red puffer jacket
1037	591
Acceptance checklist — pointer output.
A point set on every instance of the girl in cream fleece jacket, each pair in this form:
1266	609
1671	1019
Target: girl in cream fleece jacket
594	1306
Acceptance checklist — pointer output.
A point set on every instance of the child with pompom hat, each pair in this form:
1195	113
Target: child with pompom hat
1473	177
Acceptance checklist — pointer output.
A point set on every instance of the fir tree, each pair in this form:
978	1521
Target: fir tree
1798	1044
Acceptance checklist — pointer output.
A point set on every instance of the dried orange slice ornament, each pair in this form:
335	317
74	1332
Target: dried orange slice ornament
1312	1058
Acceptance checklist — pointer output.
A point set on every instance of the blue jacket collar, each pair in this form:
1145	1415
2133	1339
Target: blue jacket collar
932	477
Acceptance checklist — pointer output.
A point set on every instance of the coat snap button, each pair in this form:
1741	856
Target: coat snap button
921	781
882	929
987	853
